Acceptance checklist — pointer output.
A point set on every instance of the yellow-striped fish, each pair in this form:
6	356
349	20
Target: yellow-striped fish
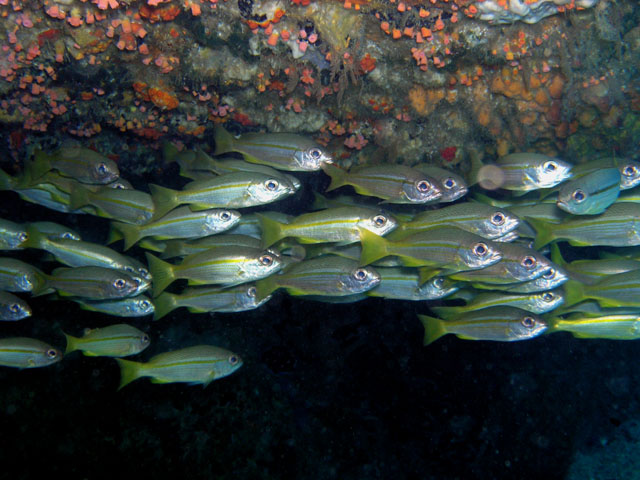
119	340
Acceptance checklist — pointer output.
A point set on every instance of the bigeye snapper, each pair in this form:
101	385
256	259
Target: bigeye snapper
614	326
452	185
537	302
393	184
82	164
193	365
283	151
590	194
138	306
90	282
21	352
13	308
629	170
129	206
119	340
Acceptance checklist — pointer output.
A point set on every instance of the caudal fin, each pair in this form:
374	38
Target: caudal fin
164	200
162	274
129	371
79	197
164	303
374	247
223	139
338	176
433	328
271	230
72	344
544	231
131	233
38	166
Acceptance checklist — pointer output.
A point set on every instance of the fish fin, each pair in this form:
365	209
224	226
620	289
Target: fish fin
35	239
164	200
164	303
556	255
573	293
72	343
271	230
161	272
114	234
266	287
161	381
129	371
169	152
173	249
37	167
320	202
197	207
198	310
544	231
374	247
427	273
79	197
42	286
448	312
338	176
7	182
476	166
223	140
433	329
131	233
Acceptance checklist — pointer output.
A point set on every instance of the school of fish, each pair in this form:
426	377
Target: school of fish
484	251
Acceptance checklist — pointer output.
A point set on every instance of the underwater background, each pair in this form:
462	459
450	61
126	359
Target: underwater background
326	390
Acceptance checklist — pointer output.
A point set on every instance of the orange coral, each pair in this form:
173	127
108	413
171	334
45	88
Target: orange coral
424	101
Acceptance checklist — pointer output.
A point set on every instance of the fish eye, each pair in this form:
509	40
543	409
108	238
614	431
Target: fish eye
102	168
550	166
144	272
67	235
14	308
629	171
438	282
549	274
449	183
233	360
315	153
271	185
51	353
252	292
119	186
528	262
145	338
423	186
547	297
266	260
380	220
579	196
145	304
119	283
498	218
480	249
360	274
23	236
528	322
226	216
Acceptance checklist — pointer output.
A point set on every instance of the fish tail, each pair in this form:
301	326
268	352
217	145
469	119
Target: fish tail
164	200
35	239
271	230
161	272
573	293
79	197
131	233
164	303
374	247
7	182
72	343
173	249
556	255
448	312
41	286
544	231
433	328
338	176
427	273
476	166
319	202
223	140
169	152
37	167
129	371
266	287
114	234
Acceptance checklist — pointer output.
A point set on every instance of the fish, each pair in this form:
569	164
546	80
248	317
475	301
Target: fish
392	183
326	276
129	206
590	194
621	326
591	271
535	302
228	266
22	352
138	306
81	164
18	276
404	284
341	225
501	324
618	226
210	299
13	308
283	151
12	235
629	170
518	264
200	364
483	220
95	283
182	248
54	231
179	223
551	278
249	225
447	248
119	340
619	290
232	190
522	172
452	185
